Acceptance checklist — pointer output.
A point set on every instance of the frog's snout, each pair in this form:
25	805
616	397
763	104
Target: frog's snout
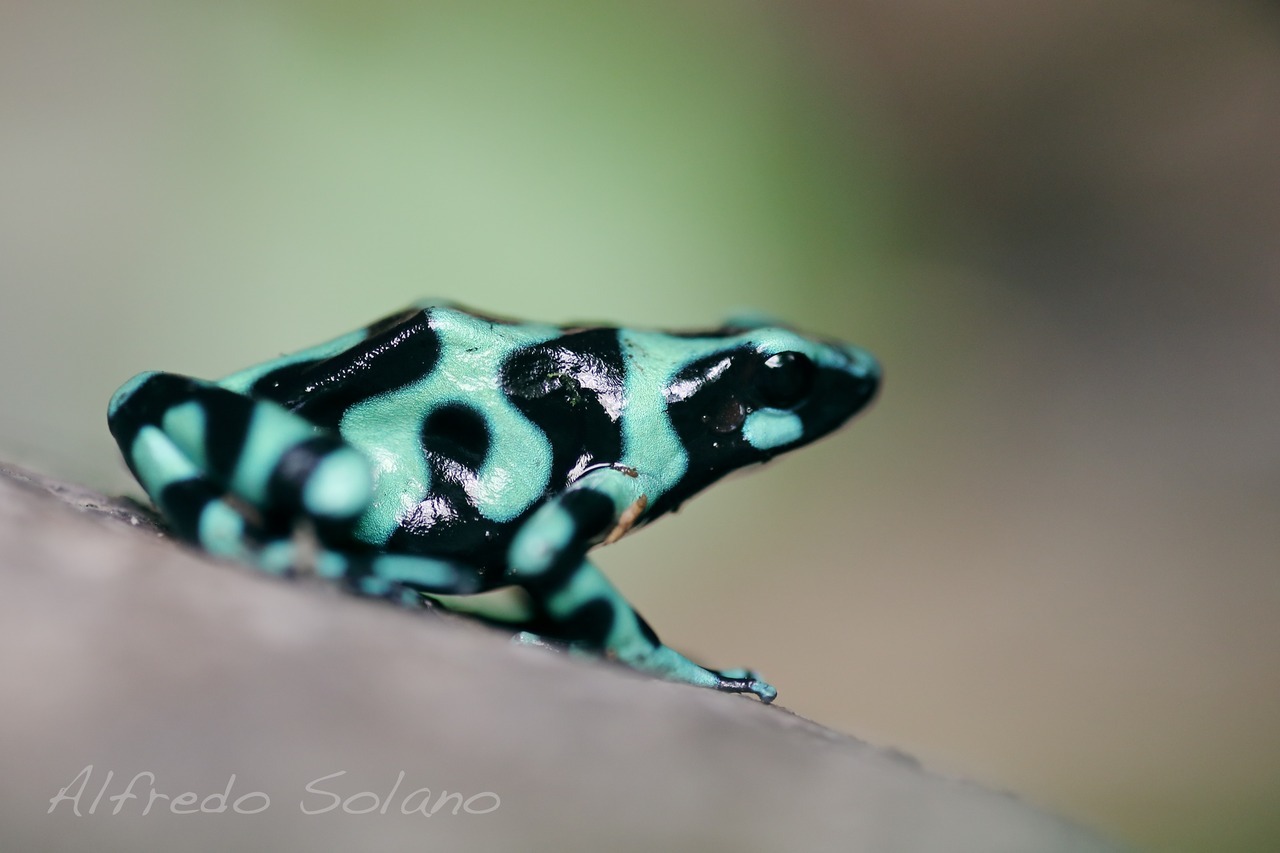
864	370
862	364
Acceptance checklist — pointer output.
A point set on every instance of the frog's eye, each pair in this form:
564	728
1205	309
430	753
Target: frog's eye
785	380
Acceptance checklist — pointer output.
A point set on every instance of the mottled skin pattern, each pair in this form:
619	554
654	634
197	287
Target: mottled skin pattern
440	453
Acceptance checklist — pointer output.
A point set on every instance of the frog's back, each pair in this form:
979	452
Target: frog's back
470	422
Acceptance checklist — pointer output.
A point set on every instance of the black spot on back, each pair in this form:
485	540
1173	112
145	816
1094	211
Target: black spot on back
446	524
567	387
458	433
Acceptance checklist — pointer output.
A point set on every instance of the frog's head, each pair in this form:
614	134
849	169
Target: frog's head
762	391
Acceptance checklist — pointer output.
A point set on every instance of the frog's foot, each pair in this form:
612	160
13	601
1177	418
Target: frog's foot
664	663
528	638
667	663
745	681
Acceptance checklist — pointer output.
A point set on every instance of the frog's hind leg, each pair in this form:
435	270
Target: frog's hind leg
264	455
238	476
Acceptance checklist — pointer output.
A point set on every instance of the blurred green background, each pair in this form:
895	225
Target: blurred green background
1047	559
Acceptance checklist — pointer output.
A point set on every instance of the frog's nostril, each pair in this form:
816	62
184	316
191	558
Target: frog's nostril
863	365
865	372
866	389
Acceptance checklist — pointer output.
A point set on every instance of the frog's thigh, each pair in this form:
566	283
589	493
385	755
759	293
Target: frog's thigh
254	449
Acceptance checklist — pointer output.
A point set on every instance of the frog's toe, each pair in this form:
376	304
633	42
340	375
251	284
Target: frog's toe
528	638
745	681
766	691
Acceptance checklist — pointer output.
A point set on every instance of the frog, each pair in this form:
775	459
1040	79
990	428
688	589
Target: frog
445	457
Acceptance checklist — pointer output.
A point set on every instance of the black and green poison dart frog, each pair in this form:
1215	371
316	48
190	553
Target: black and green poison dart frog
440	453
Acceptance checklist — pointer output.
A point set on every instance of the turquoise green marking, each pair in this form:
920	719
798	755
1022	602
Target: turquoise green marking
622	489
272	432
769	428
222	530
537	544
278	557
184	424
340	486
158	461
649	443
331	566
398	568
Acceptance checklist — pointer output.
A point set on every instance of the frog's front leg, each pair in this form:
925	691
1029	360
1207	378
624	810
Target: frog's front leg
238	476
585	610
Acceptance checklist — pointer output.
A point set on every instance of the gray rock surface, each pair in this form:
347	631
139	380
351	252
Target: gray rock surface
124	652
